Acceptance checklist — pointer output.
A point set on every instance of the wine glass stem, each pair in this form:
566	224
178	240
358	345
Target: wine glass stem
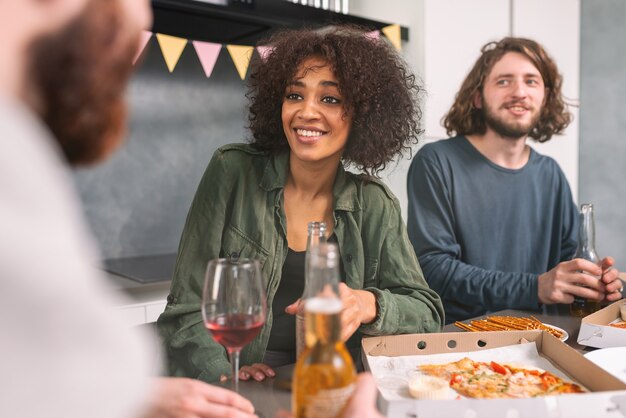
234	364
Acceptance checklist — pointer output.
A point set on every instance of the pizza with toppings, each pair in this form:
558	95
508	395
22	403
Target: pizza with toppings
475	379
621	324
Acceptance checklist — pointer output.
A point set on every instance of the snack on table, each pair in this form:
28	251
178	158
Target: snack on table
508	323
475	379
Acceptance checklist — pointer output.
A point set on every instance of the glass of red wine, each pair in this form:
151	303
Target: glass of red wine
234	305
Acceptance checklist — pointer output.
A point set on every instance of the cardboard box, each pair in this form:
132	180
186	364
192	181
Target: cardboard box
608	392
596	332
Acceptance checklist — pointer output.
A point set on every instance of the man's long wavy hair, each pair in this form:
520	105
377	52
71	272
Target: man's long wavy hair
378	90
465	119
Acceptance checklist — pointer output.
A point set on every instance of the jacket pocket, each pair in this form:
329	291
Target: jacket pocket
237	244
370	272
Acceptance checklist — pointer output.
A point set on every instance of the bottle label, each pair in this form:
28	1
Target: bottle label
327	403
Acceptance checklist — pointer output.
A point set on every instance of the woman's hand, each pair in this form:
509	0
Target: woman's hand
359	307
257	371
178	397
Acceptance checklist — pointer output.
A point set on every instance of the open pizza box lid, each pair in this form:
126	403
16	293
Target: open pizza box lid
596	332
607	395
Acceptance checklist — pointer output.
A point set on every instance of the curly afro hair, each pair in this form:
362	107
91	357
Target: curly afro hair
379	92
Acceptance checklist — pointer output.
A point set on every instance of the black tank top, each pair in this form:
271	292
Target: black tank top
283	333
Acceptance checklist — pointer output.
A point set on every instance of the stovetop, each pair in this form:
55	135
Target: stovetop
143	269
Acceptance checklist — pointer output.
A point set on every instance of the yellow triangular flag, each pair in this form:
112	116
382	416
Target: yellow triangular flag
172	48
392	32
241	56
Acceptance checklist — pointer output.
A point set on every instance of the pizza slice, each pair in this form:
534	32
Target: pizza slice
475	379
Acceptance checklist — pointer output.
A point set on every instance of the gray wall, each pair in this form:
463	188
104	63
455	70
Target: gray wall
603	122
137	201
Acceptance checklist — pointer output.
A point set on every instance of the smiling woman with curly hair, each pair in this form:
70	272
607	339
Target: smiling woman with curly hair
378	91
318	100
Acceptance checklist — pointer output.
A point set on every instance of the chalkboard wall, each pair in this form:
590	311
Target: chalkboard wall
603	122
137	201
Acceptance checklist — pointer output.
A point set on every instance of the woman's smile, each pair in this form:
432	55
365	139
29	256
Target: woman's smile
314	118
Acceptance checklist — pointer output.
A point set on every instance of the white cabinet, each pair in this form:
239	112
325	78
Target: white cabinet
140	304
454	32
445	40
556	25
132	315
141	313
153	310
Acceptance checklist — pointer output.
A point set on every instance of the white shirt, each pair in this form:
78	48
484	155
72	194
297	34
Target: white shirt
63	352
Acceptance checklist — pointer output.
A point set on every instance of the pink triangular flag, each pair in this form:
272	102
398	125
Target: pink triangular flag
373	35
207	53
264	51
143	41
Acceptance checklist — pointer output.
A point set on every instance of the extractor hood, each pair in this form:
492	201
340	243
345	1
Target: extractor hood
246	22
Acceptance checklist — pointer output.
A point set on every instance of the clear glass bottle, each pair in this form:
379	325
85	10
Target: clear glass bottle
586	250
316	236
324	377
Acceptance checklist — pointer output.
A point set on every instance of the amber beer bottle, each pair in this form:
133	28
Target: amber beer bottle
316	236
324	377
587	250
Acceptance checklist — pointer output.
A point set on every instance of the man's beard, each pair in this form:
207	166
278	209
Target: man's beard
80	76
513	130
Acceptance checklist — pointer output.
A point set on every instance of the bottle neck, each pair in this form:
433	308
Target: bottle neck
317	234
316	238
322	271
586	231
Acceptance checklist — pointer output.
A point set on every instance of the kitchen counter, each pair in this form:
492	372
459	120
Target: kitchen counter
145	283
141	303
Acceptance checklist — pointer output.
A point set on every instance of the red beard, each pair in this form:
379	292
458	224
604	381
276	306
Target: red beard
80	76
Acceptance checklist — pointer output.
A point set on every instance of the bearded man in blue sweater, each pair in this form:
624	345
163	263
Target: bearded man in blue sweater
492	221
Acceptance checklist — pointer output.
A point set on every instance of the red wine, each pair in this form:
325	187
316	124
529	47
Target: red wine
234	331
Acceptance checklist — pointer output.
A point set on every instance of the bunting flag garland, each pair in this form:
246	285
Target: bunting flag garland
241	56
172	48
207	53
264	51
143	41
392	32
373	35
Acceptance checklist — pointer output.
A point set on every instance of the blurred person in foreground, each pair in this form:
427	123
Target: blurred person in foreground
64	69
493	221
319	101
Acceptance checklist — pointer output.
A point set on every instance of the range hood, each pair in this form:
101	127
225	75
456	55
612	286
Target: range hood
244	22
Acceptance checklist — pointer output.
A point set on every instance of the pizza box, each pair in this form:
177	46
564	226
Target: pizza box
606	398
596	332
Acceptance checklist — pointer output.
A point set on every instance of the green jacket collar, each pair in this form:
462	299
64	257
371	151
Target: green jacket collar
344	189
